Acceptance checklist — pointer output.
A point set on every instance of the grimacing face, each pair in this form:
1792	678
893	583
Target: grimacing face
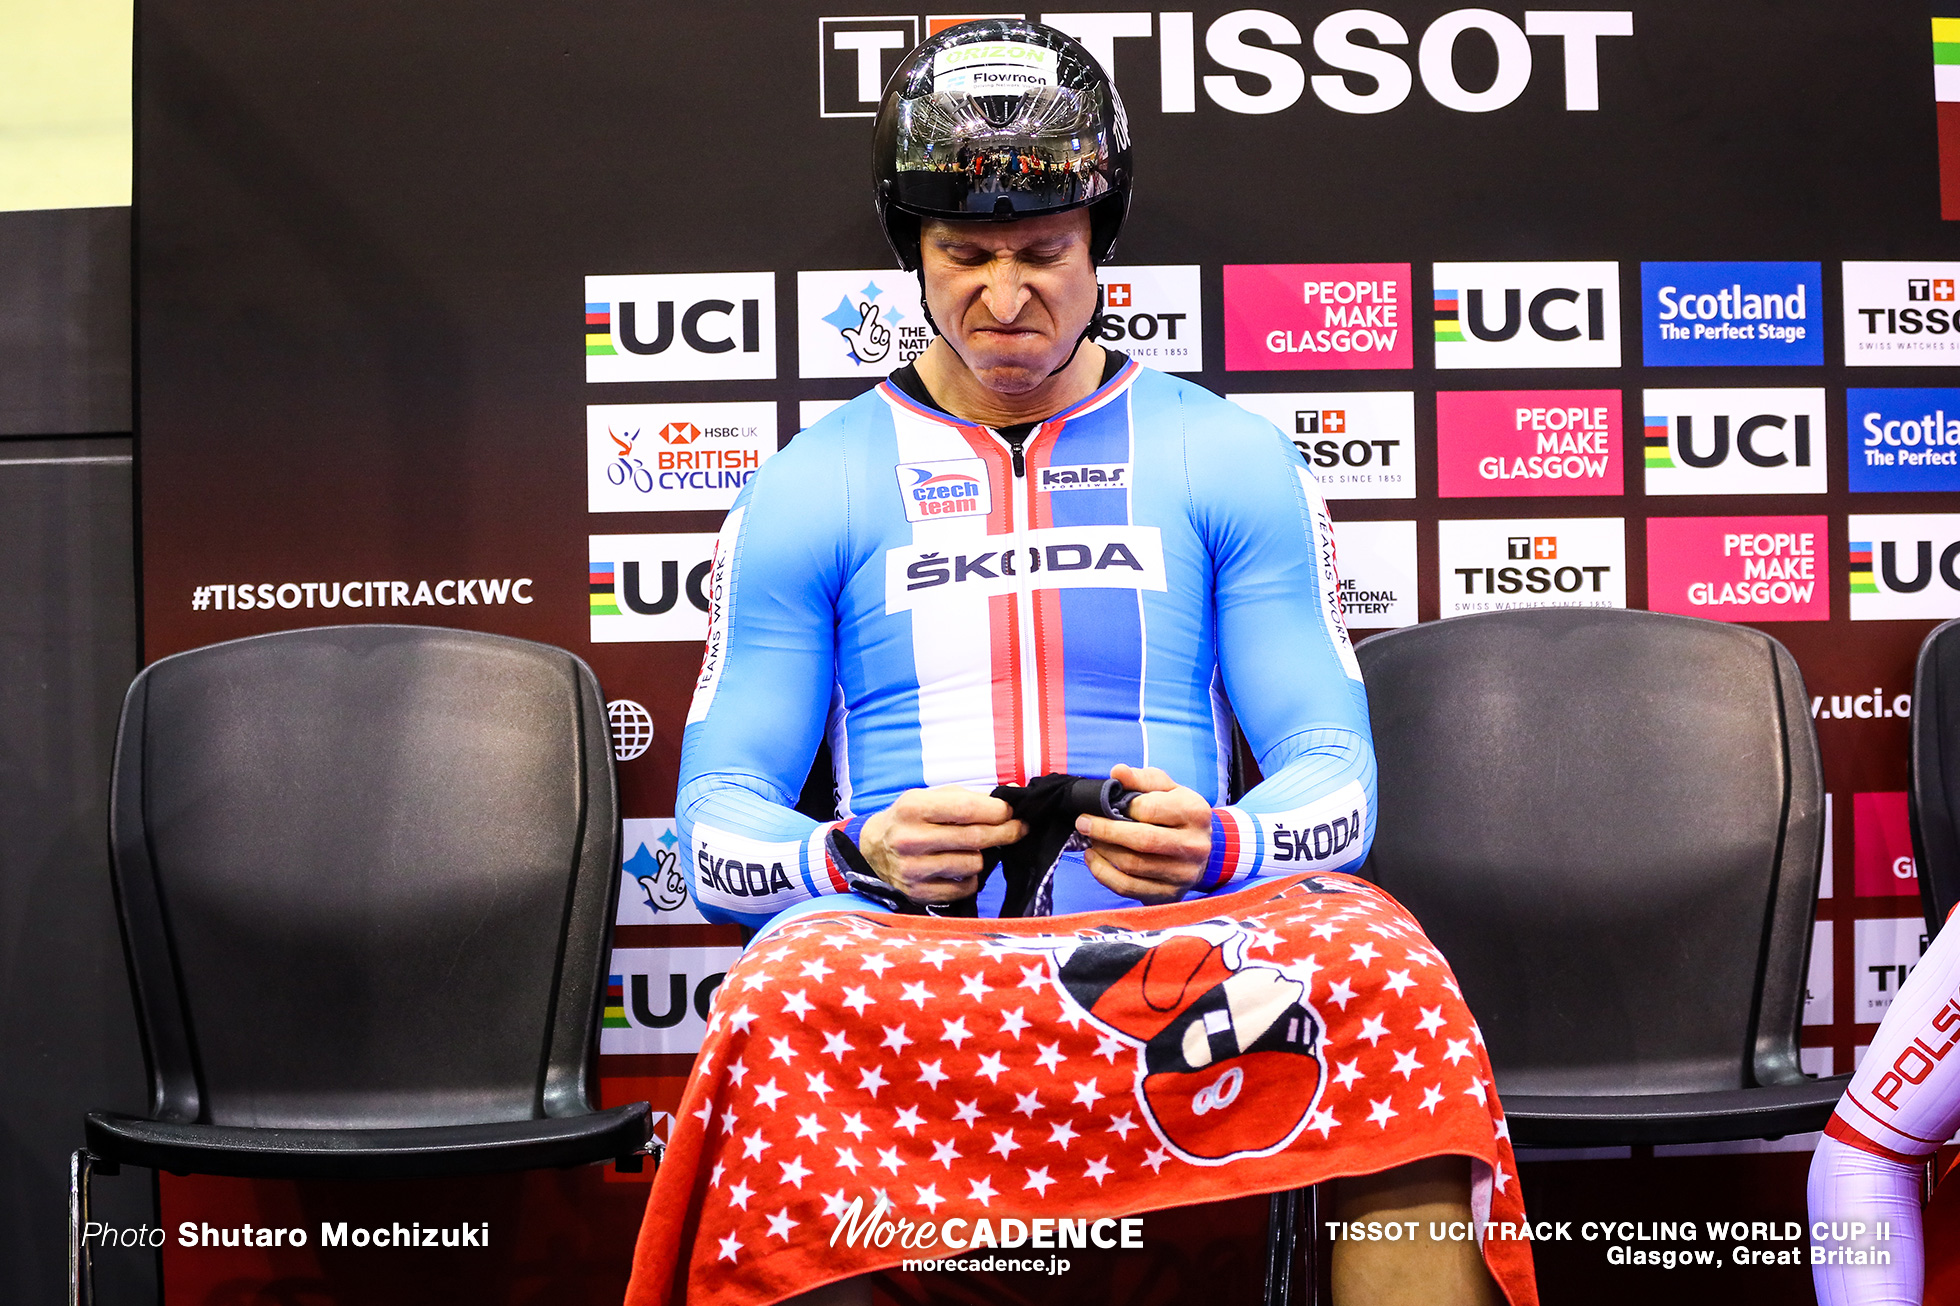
1011	298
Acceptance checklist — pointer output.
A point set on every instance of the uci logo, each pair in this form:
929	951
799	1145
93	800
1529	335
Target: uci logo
1764	440
1527	314
682	326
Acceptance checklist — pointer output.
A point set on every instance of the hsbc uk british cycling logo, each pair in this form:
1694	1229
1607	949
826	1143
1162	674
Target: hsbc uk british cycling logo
1230	1055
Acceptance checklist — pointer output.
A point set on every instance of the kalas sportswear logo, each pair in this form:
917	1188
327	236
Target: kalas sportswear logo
692	326
1360	443
1527	314
1900	314
1904	566
1742	441
1904	439
674	457
949	487
1059	557
1087	476
1732	314
862	322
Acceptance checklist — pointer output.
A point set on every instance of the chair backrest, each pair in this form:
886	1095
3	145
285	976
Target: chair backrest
1611	823
1933	792
367	877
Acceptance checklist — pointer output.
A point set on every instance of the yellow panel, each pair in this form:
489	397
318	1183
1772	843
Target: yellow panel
64	103
1946	30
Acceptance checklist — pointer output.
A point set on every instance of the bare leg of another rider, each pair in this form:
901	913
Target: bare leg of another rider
1419	1273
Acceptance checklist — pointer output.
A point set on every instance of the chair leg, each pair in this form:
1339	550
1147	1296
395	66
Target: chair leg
81	1263
1291	1272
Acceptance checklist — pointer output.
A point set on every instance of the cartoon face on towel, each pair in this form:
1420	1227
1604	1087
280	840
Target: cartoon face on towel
1229	1058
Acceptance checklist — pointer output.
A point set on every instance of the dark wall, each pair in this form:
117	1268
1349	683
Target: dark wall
68	647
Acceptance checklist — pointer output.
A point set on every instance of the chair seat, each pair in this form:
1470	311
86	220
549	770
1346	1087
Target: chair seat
1712	1117
369	1153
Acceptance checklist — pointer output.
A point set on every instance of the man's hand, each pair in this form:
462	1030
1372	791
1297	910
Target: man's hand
927	844
1160	853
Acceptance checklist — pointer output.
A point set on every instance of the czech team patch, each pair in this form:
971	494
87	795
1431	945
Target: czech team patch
951	487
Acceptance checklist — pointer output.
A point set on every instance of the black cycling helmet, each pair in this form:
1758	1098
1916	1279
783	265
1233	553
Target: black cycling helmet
1000	118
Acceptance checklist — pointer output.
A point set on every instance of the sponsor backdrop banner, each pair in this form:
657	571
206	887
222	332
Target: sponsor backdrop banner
1676	273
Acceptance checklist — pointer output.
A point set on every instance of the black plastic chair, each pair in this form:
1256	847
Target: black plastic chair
1611	823
366	877
1933	792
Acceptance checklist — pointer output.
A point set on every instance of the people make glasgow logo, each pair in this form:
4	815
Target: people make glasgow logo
1526	314
1515	443
1732	314
1734	441
684	326
1317	316
1739	568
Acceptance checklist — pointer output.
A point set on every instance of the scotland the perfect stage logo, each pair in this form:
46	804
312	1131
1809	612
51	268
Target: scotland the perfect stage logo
1732	314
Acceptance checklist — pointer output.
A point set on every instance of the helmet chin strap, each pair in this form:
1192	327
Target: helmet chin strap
1088	332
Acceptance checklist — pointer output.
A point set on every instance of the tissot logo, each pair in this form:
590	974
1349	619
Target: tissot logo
1568	562
1362	61
649	588
1734	441
686	326
1527	314
1904	566
1160	317
855	57
1900	314
1360	443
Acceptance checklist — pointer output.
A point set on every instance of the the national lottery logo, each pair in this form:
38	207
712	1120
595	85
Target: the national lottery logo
1526	314
674	457
1360	443
1153	314
1903	440
1732	314
862	322
1497	565
1378	573
689	326
1904	566
649	588
1900	314
949	487
1738	441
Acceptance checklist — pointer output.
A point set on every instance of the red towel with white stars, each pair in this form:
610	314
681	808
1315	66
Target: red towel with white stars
1061	1068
